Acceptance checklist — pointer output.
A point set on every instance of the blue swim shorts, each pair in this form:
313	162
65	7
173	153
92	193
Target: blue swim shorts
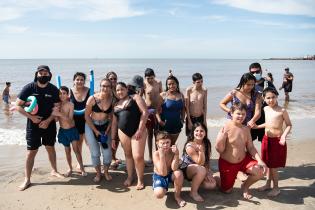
161	181
66	136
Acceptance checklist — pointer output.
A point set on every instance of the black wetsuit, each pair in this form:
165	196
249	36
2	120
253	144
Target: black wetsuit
79	105
128	118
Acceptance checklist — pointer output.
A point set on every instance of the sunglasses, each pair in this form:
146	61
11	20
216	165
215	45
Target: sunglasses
113	78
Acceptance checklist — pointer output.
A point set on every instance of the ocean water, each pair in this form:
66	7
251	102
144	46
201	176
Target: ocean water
220	76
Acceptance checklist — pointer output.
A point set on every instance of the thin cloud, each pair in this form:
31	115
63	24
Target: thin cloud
13	29
218	18
87	10
284	7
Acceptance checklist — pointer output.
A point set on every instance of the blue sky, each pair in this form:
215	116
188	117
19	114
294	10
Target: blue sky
156	29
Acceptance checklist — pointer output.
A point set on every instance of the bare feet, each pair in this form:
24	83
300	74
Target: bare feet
56	174
83	173
264	188
26	184
246	194
97	178
180	202
108	177
128	182
140	186
196	197
274	192
69	173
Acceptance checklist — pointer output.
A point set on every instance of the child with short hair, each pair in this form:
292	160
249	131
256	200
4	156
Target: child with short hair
6	93
236	150
67	132
274	148
166	162
196	103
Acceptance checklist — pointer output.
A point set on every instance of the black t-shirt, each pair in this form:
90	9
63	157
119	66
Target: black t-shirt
46	97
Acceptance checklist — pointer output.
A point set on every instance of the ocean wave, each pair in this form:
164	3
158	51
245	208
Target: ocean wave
12	137
216	122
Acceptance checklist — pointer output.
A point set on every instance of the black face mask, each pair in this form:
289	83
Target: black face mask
43	79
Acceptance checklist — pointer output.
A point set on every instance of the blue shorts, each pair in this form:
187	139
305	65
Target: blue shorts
161	181
66	136
5	99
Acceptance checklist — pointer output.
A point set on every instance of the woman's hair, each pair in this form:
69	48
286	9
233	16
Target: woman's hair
270	90
122	84
110	73
107	80
205	140
171	77
244	79
77	74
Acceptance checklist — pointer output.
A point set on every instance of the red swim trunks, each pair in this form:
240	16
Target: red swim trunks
273	153
152	121
228	171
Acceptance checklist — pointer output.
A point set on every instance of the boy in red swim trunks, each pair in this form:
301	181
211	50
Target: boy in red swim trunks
236	150
273	147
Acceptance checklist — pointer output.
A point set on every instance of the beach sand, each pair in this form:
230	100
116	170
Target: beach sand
296	183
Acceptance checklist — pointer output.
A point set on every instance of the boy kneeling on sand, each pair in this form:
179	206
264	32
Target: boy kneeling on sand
236	150
166	162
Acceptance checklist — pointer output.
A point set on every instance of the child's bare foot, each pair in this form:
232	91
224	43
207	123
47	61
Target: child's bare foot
83	173
140	186
26	184
180	202
274	192
97	178
128	182
108	177
56	174
196	197
69	173
264	188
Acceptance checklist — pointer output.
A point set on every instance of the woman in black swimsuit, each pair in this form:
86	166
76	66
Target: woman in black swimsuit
130	116
98	115
79	95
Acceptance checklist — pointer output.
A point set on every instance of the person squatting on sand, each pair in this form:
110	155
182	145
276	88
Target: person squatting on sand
152	89
274	148
41	127
98	117
171	113
68	133
196	103
195	162
79	95
236	149
166	162
130	116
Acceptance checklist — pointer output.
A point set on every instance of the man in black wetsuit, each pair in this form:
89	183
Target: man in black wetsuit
287	83
41	127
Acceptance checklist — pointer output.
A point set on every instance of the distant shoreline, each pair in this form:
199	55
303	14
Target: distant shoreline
310	58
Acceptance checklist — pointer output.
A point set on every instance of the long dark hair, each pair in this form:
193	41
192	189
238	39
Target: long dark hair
171	77
205	141
245	78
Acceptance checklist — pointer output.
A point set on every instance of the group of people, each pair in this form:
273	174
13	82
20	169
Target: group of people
140	111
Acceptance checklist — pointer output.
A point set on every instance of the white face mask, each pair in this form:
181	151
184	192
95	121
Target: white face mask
257	76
